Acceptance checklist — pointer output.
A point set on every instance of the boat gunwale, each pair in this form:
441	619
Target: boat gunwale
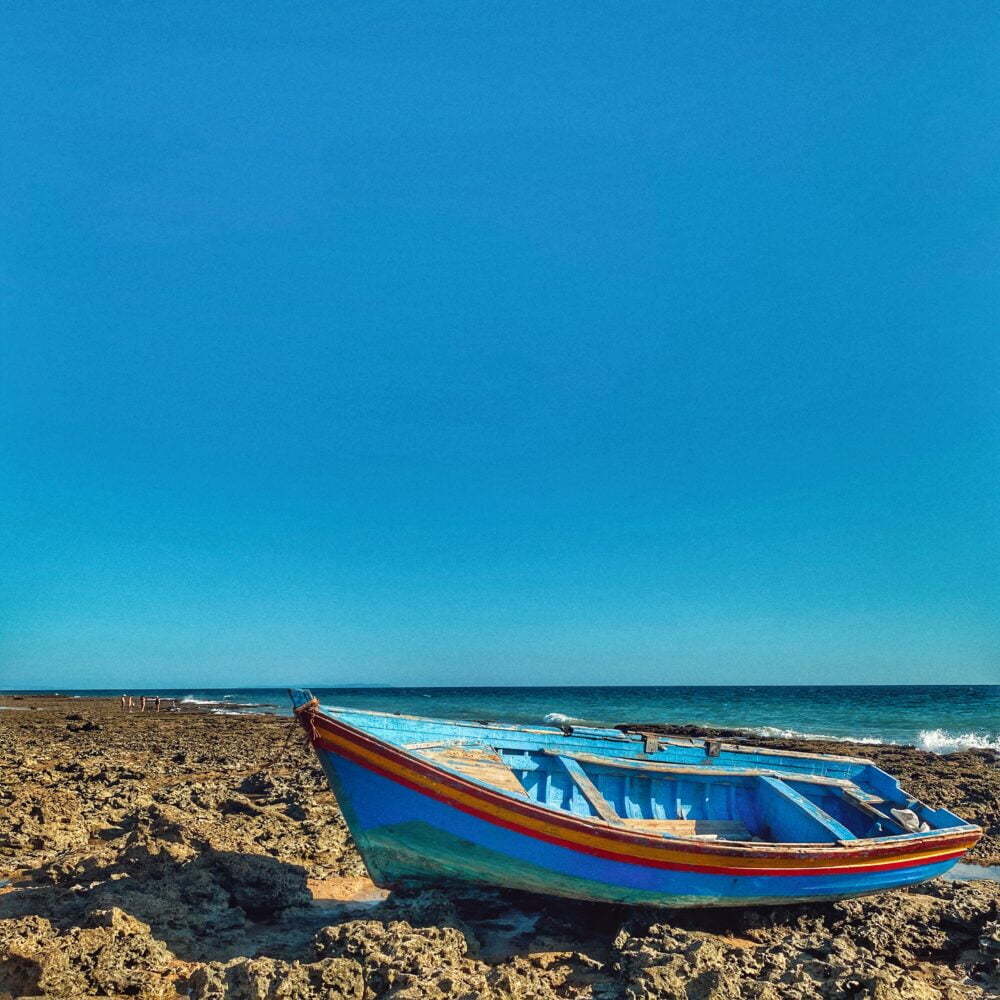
611	732
862	850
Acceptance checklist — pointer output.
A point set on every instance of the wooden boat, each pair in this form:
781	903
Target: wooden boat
604	815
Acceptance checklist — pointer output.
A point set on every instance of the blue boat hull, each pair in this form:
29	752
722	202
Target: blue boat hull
614	818
408	837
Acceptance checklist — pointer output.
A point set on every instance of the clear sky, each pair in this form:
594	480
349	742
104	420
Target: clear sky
499	343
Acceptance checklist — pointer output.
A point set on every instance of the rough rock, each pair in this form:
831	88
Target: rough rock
269	979
110	954
933	942
40	822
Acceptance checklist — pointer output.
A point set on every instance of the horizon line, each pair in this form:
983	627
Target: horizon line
485	687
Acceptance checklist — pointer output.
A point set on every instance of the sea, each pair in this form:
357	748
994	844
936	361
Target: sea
941	718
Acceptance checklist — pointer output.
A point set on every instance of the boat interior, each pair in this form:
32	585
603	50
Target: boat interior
674	787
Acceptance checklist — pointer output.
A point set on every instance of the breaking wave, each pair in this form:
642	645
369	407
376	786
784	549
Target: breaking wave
941	741
934	740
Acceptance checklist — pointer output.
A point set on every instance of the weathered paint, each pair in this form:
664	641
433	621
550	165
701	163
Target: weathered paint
415	820
588	789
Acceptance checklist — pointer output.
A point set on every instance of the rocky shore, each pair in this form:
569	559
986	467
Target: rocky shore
195	855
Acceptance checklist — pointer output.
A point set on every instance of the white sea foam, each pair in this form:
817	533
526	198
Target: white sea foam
941	741
935	740
793	734
189	700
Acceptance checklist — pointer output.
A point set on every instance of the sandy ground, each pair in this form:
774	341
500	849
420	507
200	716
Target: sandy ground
203	856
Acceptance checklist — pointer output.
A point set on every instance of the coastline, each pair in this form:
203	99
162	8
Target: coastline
201	854
941	718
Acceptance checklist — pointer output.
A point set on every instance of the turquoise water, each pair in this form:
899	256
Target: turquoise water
938	718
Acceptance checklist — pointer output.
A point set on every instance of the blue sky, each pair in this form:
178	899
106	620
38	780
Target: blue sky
478	343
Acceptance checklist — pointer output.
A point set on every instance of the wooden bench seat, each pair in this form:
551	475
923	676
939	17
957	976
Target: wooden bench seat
699	829
475	760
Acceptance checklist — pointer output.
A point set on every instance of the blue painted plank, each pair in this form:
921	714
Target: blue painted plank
791	815
588	789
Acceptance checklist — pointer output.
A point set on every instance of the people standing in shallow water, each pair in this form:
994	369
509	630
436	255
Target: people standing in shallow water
156	701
